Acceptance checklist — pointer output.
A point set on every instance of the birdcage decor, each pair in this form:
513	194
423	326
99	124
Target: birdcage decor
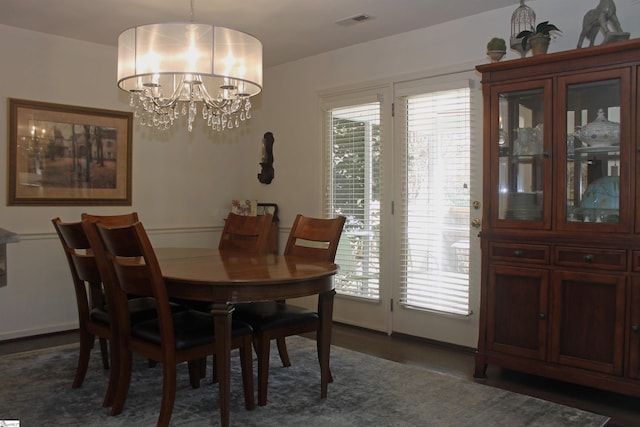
523	18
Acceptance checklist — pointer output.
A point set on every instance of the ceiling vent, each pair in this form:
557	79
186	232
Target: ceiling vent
352	20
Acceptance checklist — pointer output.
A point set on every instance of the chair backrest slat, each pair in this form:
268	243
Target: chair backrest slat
246	233
315	238
86	268
112	220
82	266
75	244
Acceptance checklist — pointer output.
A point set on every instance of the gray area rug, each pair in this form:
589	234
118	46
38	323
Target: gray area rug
367	391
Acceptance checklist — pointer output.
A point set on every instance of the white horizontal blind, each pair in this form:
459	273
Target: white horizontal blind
352	140
434	259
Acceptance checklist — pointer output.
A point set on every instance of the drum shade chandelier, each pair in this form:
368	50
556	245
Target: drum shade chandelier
169	68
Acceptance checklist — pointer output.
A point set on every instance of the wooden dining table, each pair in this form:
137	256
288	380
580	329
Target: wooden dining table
224	278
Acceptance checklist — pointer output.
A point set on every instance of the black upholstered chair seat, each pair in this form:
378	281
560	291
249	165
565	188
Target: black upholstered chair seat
191	329
140	308
265	316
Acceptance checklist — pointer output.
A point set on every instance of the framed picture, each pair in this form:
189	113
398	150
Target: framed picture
244	207
67	155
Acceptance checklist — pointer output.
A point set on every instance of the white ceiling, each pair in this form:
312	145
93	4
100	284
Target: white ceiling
288	29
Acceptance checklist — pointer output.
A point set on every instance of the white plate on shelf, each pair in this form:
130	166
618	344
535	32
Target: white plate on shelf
598	149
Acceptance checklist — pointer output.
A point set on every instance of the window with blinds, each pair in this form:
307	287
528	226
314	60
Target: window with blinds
353	190
435	212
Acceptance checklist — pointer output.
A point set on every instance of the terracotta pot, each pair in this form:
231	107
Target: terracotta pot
539	44
495	55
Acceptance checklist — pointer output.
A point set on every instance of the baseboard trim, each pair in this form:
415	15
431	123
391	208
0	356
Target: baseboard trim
30	333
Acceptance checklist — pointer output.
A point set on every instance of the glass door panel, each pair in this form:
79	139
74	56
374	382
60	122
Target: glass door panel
520	148
593	152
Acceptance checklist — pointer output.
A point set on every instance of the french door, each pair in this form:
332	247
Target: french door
409	255
438	189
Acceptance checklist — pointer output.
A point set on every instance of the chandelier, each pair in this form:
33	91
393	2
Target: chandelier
170	68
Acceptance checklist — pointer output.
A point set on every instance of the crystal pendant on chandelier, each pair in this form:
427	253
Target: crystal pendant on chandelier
169	69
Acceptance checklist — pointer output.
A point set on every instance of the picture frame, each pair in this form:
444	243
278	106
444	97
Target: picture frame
68	155
244	207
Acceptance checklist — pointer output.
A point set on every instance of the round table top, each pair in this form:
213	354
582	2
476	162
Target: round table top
234	276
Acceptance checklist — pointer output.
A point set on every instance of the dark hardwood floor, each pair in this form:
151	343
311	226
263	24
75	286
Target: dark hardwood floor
624	411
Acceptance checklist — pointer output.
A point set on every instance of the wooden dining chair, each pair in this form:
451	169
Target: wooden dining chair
310	238
130	266
94	319
251	234
241	233
93	294
248	234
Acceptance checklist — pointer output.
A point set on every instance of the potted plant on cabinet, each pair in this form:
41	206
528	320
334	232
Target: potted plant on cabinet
496	48
538	40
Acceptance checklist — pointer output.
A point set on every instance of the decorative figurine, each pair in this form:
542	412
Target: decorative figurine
266	161
602	18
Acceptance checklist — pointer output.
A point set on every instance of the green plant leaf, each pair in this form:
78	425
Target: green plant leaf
524	33
497	43
541	26
546	28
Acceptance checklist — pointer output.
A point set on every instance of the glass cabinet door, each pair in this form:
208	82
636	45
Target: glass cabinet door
596	155
522	157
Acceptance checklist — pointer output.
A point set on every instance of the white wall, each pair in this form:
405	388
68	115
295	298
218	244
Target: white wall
182	182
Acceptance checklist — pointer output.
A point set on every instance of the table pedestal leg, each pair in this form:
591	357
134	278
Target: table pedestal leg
325	310
222	326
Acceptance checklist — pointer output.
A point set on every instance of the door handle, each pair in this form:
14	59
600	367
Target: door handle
476	222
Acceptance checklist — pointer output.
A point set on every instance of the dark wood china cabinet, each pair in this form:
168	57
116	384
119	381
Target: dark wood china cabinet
560	237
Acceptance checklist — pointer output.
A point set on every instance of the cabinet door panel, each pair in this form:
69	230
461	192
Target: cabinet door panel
593	143
587	321
634	329
517	311
520	160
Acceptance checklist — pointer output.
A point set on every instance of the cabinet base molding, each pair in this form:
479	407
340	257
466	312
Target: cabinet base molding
597	380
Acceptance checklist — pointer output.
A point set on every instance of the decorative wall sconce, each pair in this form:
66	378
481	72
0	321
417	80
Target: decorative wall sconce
266	160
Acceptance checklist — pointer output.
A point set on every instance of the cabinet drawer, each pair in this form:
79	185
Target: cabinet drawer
605	259
510	252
